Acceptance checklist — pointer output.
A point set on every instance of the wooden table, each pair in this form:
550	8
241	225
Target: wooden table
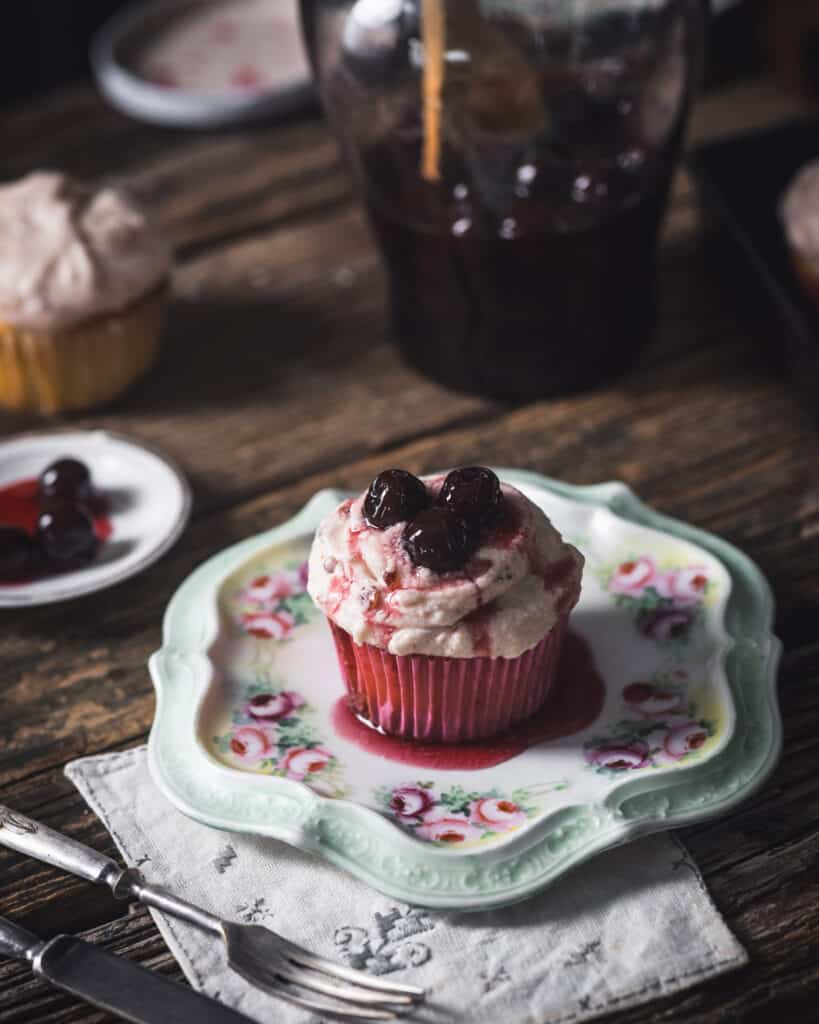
279	378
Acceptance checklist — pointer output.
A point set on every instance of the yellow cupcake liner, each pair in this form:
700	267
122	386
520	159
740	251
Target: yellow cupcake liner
85	365
808	273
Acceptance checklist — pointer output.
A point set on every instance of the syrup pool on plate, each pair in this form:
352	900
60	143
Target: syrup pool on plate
575	703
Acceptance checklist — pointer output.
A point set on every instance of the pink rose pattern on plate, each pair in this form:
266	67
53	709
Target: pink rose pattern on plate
666	603
271	733
454	817
273	604
661	727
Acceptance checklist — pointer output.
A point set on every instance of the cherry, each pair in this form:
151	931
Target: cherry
66	480
65	534
474	493
15	554
440	540
395	496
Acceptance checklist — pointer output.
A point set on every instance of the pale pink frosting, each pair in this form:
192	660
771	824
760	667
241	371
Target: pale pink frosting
69	252
799	211
504	601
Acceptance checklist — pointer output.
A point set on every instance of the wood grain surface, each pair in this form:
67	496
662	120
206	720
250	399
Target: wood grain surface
279	377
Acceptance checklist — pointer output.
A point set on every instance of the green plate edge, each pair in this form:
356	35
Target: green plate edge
364	843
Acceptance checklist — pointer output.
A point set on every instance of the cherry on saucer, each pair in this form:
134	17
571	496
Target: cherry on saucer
49	523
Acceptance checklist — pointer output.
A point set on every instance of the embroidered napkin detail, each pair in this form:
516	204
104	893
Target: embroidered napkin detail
631	925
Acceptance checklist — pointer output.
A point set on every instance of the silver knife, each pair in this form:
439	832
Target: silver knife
111	982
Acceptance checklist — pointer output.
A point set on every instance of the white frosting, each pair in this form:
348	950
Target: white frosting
799	211
500	605
68	252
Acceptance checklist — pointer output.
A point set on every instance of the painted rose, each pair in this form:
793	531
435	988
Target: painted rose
619	759
665	624
684	739
269	625
253	743
408	802
650	701
303	570
302	761
453	829
683	586
497	815
270	707
268	591
655	740
324	787
632	578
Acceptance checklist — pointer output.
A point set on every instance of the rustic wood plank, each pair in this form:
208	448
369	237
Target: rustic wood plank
215	188
76	130
293	369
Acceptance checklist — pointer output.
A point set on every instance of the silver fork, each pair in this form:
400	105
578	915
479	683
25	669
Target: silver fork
260	955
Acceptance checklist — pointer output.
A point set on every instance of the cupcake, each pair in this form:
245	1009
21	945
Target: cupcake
799	213
447	599
83	290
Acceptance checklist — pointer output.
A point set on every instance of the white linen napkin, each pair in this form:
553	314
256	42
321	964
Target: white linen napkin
633	924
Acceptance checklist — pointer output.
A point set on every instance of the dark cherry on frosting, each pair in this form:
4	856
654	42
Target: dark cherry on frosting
441	540
395	496
474	493
66	480
15	554
65	534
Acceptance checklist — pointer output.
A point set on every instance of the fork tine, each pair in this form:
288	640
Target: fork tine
283	991
319	963
306	978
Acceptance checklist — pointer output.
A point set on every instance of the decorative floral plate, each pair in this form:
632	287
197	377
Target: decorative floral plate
664	713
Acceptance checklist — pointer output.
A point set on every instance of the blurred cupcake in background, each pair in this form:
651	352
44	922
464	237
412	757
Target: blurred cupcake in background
799	213
83	293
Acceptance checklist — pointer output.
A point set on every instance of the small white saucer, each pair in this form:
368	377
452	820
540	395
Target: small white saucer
288	89
150	503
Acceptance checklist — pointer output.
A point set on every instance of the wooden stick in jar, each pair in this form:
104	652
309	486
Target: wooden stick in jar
433	32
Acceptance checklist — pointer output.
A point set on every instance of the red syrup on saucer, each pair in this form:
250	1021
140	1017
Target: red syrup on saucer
20	506
576	701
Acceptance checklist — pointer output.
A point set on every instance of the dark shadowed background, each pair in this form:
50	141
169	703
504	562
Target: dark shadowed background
46	41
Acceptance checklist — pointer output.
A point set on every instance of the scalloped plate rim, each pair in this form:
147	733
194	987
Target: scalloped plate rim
317	814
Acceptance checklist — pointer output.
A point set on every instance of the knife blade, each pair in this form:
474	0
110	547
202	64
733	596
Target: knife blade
111	982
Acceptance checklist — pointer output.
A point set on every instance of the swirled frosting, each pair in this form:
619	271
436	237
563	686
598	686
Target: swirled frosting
69	252
503	602
799	212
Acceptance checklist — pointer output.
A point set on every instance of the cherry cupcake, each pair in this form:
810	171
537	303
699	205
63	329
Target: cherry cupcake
84	282
448	599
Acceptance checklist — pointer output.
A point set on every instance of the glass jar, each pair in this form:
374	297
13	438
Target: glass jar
515	158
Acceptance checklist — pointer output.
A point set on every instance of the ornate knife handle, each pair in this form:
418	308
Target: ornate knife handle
16	943
25	835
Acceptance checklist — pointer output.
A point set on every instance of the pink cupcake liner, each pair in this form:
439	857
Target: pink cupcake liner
447	700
